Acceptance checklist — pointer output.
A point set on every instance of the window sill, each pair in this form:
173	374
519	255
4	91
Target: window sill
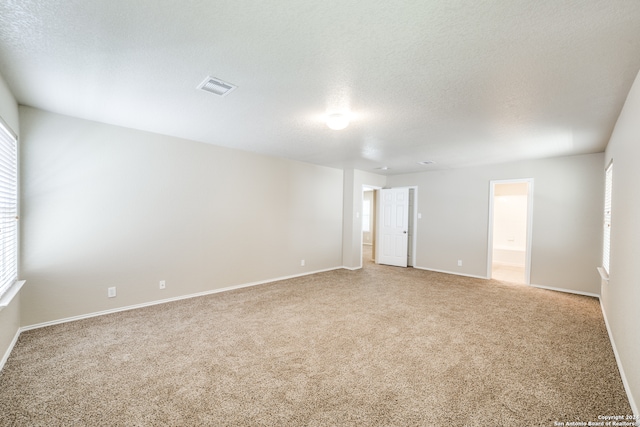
11	293
604	275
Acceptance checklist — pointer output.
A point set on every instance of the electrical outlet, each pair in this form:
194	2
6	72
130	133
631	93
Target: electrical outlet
111	292
163	284
301	263
459	263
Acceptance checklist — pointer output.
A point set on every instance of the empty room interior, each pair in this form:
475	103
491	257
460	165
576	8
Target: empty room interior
319	213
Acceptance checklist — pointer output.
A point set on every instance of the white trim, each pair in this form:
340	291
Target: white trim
8	128
492	196
625	383
414	218
10	294
414	236
10	348
373	188
528	249
550	288
7	353
163	301
606	218
567	291
530	201
603	274
9	181
451	272
351	268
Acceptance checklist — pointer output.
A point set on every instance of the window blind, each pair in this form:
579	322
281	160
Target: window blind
366	216
8	208
606	241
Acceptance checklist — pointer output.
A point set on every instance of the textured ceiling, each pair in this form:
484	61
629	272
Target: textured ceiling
456	82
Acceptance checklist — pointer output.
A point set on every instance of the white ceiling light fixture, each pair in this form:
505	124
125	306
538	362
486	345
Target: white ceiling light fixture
217	86
337	121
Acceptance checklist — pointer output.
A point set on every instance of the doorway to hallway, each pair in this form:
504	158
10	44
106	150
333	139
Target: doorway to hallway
389	228
510	231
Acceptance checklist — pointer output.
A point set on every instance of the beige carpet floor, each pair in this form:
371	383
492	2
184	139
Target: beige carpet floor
382	346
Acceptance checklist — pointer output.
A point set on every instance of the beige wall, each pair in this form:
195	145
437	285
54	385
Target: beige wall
108	206
621	296
567	218
9	316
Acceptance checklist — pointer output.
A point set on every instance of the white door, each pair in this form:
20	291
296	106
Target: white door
394	225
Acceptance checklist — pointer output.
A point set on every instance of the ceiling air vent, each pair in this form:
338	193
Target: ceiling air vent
217	86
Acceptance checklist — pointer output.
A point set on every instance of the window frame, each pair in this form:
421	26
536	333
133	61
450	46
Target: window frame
9	214
606	222
366	216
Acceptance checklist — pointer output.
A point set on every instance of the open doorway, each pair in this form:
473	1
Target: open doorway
510	231
371	243
368	224
396	226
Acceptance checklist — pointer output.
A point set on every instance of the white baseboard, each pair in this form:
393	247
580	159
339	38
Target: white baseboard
625	383
351	268
9	349
164	301
455	273
5	357
568	291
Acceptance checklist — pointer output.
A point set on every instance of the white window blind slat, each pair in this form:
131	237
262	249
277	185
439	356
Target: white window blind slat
8	208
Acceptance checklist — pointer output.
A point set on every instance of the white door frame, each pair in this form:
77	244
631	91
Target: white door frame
414	220
374	188
413	217
527	259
